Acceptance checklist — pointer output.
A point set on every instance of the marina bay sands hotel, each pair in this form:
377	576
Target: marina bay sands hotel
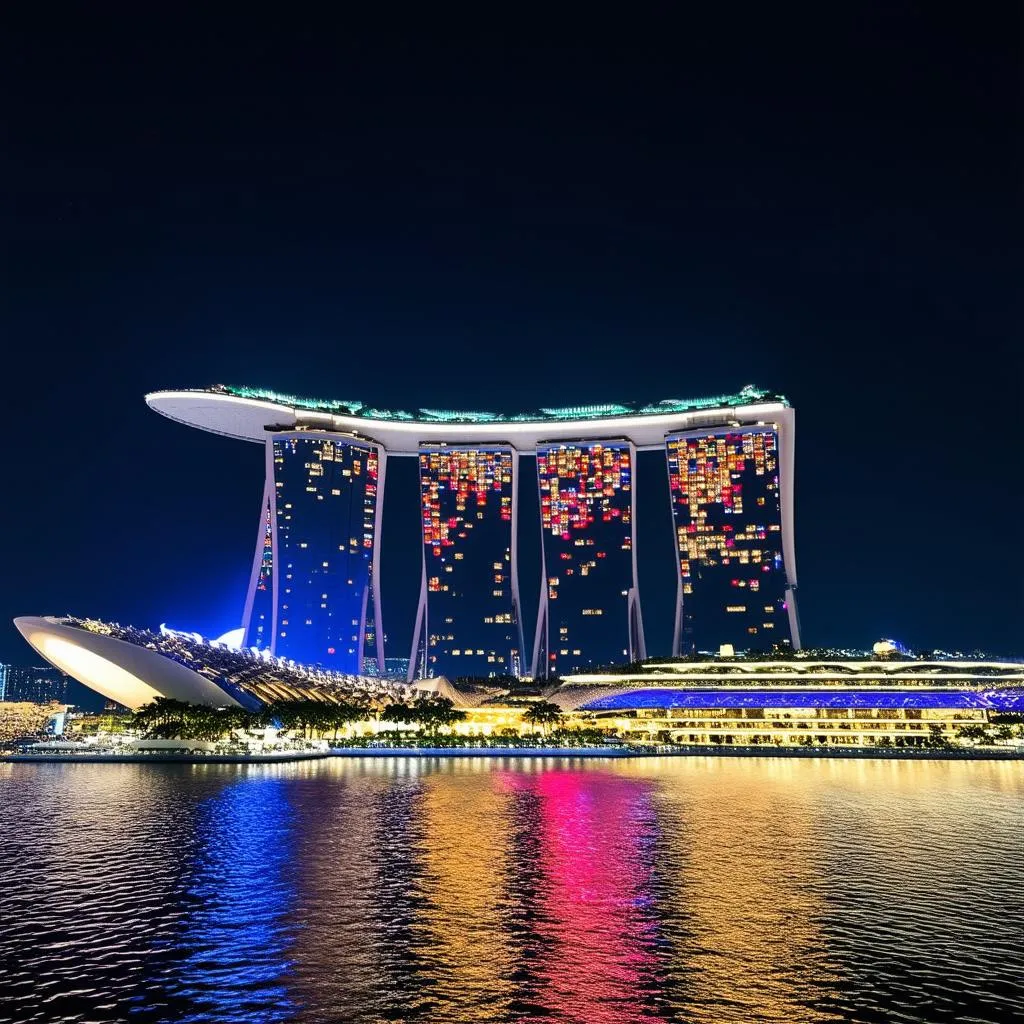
314	594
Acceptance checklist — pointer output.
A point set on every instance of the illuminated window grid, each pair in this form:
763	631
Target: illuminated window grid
464	493
726	509
326	495
586	519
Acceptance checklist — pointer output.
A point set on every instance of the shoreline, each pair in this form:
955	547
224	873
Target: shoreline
691	751
299	755
604	753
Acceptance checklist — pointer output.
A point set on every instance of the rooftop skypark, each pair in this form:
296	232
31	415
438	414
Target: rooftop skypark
746	396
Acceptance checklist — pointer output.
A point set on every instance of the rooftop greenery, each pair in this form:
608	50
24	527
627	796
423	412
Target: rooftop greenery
341	407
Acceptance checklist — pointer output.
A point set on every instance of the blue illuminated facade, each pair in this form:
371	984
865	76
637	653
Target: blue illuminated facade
325	523
589	602
468	621
727	514
994	700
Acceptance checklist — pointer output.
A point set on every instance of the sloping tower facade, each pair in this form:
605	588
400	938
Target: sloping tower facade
317	555
726	496
589	600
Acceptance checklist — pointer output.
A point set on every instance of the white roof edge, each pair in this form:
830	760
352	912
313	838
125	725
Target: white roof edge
250	419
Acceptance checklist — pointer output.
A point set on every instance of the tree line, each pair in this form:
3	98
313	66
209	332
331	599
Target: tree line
167	718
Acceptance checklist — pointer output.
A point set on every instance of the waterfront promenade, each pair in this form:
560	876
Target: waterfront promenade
609	752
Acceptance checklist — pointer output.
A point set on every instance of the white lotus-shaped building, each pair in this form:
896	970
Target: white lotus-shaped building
134	666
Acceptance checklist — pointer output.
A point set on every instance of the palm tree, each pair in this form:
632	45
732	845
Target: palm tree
974	732
432	713
542	713
401	713
288	714
163	716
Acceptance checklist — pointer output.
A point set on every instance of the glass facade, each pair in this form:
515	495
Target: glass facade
589	615
325	512
726	510
471	601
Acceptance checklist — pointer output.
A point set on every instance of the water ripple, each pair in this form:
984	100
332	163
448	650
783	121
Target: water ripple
690	890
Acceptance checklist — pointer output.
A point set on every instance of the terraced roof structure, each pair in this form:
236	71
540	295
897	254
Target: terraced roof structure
800	671
798	682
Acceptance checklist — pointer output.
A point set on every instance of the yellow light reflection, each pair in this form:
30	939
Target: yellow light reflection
465	865
740	837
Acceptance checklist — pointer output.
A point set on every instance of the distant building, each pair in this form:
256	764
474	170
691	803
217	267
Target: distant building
3	682
396	668
36	684
28	719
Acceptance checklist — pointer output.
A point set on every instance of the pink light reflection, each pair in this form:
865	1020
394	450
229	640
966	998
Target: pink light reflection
596	830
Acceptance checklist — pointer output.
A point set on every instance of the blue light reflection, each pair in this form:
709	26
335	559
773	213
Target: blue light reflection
236	943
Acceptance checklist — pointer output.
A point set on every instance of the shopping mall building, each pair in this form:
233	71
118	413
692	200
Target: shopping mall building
806	700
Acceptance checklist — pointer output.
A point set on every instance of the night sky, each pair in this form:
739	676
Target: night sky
504	215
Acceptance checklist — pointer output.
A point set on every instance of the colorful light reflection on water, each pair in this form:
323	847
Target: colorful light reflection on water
243	896
477	890
595	846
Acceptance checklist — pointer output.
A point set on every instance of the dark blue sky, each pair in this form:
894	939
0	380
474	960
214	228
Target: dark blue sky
507	215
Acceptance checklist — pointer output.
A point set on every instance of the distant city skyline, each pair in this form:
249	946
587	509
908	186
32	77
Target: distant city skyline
38	684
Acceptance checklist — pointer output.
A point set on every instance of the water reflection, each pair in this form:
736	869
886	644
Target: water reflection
242	891
741	888
341	828
464	865
489	891
598	937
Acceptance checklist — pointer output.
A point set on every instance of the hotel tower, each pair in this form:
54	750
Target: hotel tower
314	593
